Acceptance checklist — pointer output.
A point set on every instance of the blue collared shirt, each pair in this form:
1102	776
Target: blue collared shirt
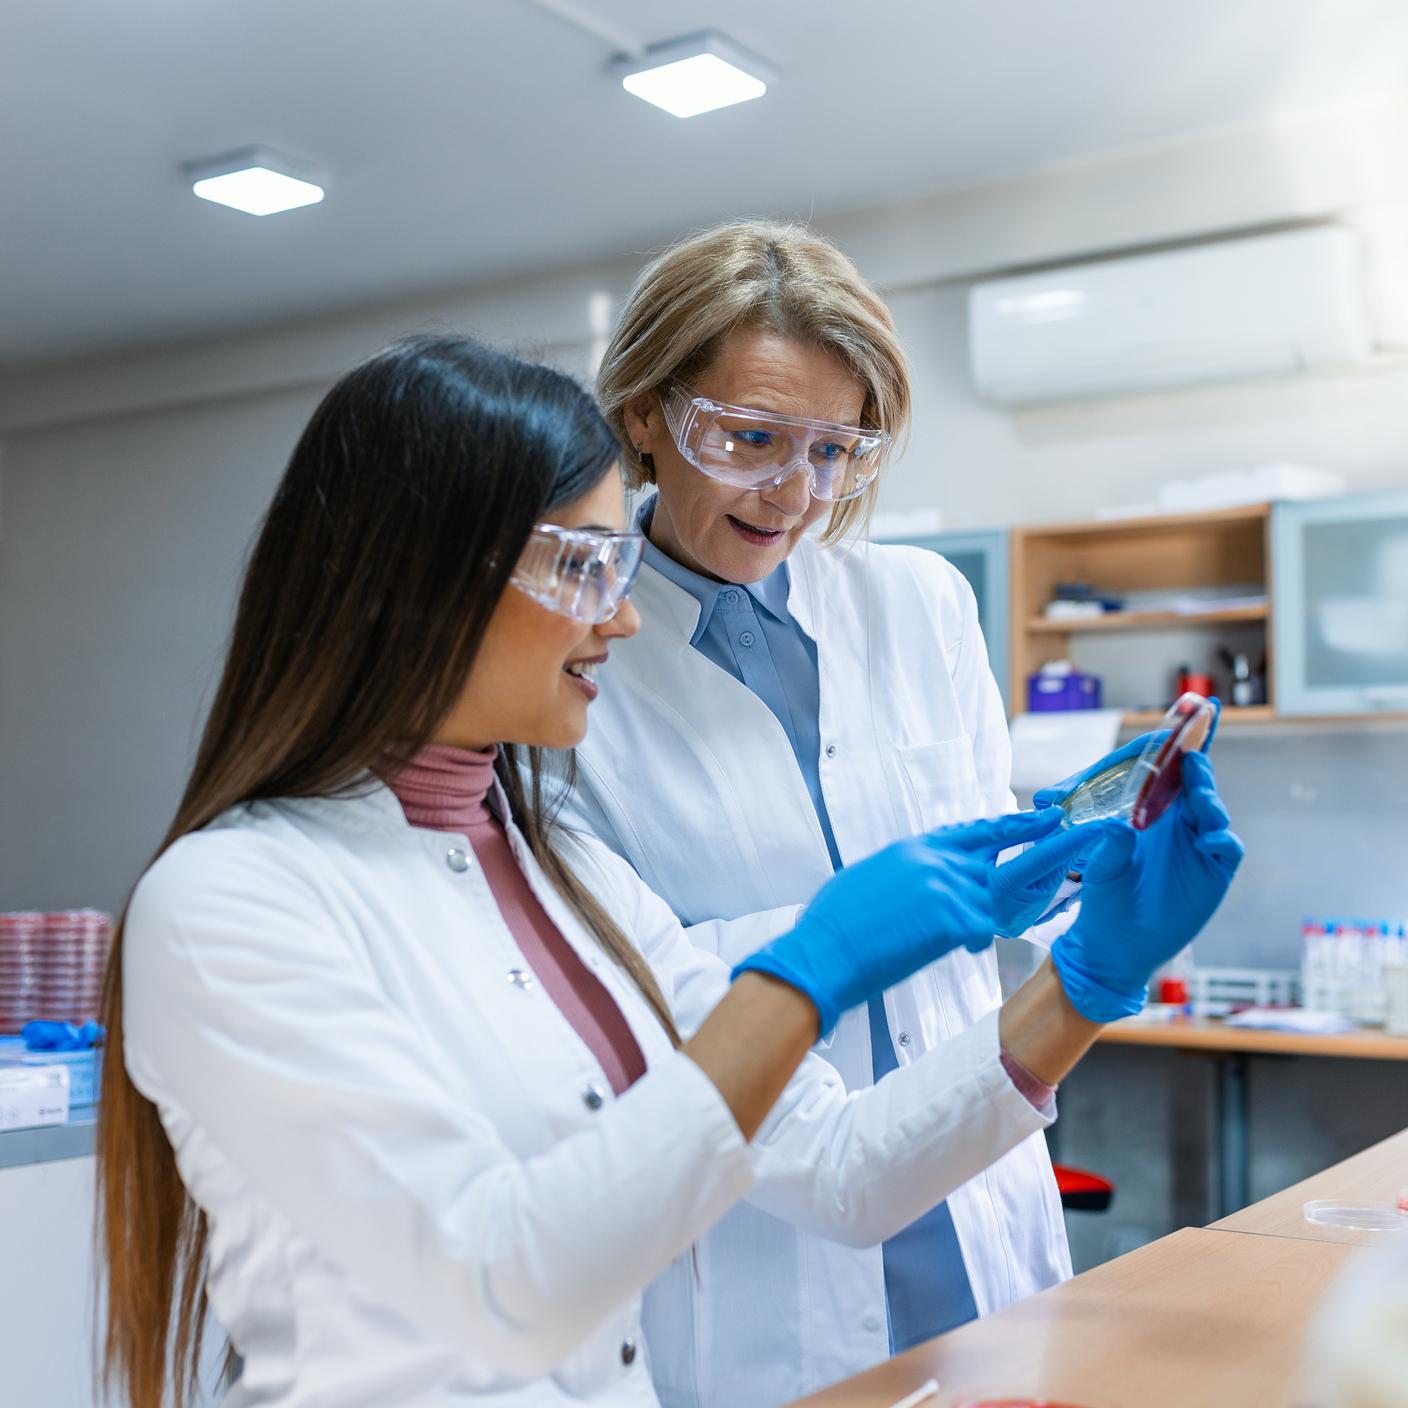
748	631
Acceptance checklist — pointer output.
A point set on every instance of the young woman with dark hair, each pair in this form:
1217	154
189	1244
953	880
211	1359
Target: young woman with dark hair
412	1089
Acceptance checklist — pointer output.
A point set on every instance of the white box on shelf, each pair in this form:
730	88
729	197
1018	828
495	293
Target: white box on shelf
33	1095
1261	484
85	1069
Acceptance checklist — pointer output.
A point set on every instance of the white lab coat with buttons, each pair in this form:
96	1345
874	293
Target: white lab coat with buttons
689	776
420	1189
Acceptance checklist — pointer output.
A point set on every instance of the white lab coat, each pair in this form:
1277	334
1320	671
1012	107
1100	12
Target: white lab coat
420	1188
688	775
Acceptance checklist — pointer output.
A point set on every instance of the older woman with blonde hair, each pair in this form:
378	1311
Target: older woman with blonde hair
795	700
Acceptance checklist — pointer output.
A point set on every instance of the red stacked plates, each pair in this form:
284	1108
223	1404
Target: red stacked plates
72	959
21	938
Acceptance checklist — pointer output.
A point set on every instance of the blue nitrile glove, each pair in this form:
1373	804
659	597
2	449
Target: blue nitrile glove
876	922
1023	889
1146	896
61	1036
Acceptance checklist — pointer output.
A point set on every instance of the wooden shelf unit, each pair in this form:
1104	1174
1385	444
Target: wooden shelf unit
1145	719
1146	620
1167	553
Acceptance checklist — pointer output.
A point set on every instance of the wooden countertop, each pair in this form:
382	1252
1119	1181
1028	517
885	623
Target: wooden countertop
1201	1319
1203	1034
1211	1317
1374	1176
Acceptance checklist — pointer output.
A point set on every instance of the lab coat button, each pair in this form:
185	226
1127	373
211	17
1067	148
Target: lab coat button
457	861
830	750
628	1351
905	1038
871	1324
520	979
593	1098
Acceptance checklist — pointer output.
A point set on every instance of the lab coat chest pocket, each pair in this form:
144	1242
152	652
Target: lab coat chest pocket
939	782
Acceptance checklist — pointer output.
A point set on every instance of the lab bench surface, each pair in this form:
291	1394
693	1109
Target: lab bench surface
1375	1176
49	1143
1202	1034
1211	1316
1201	1317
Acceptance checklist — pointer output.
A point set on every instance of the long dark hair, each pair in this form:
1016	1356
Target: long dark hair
404	508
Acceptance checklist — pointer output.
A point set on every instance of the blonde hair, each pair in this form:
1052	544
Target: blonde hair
753	274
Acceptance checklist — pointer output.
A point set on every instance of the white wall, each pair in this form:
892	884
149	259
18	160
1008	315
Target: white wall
48	1326
983	466
46	1308
131	485
122	543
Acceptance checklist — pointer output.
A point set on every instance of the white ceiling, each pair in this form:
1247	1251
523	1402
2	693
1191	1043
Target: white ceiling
472	139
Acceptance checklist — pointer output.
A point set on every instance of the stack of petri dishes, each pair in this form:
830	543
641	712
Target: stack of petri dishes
21	941
72	961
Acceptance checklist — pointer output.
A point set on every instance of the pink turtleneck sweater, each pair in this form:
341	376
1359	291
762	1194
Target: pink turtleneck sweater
447	789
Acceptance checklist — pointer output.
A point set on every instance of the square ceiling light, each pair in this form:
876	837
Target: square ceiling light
254	180
696	74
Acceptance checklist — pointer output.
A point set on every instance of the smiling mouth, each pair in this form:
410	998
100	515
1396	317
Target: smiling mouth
750	533
583	674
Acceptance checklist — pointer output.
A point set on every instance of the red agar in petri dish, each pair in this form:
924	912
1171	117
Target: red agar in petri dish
1158	775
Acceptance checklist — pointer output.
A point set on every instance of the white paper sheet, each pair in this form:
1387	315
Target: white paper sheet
1048	747
1305	1020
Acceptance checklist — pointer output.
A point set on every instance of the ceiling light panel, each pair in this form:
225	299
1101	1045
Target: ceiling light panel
253	180
695	74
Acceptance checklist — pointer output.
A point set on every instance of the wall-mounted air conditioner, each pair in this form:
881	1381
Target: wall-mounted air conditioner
1269	305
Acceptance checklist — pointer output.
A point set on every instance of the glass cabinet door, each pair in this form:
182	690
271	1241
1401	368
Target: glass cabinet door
1340	584
982	557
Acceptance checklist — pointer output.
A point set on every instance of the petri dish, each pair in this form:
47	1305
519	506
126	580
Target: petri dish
1098	797
1357	1217
1158	775
1140	790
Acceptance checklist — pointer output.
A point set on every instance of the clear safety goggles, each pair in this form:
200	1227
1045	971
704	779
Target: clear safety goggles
754	449
584	573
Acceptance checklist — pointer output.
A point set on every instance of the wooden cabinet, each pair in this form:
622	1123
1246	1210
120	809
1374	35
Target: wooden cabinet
1137	651
1317	589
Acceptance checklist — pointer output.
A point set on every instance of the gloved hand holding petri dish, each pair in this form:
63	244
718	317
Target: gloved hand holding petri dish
1139	785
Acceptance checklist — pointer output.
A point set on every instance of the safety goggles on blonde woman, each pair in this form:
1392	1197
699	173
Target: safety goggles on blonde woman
584	573
753	449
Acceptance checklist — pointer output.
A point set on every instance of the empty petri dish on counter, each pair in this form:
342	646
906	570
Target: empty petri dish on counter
1357	1217
1140	790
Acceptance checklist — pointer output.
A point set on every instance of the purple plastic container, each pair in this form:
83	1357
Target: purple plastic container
1047	693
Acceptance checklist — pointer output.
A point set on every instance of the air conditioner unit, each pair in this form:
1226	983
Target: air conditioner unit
1270	305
